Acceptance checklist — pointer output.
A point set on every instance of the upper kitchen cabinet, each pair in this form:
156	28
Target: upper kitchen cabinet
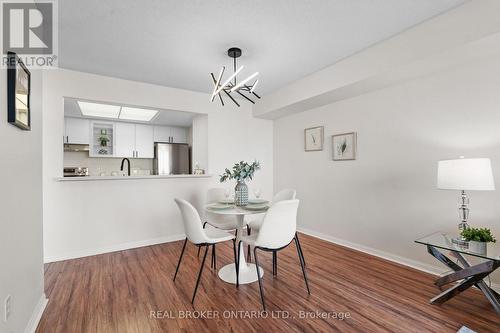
125	140
144	143
76	131
170	134
102	139
179	134
134	140
161	133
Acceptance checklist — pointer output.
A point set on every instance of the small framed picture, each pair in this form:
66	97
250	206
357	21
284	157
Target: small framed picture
313	138
344	146
18	93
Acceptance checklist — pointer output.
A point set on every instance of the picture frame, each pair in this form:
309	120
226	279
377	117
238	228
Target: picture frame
344	146
314	138
18	93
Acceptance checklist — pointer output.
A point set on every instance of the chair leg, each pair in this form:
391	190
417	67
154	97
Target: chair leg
274	267
199	274
275	263
259	278
302	265
214	258
180	258
249	255
199	248
235	260
238	265
300	248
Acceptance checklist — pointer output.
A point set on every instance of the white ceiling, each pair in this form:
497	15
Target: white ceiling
164	117
178	43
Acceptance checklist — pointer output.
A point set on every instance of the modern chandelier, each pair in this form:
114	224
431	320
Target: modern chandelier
231	85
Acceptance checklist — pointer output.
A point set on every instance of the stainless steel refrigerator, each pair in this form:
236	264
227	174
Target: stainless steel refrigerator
171	159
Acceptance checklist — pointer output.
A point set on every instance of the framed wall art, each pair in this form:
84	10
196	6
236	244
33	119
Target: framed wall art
313	138
344	146
18	93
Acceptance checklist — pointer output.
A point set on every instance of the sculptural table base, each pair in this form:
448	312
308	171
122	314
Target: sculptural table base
470	276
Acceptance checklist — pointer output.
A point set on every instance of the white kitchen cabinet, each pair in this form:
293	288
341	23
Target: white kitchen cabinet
162	133
125	140
76	131
134	140
170	134
179	134
144	142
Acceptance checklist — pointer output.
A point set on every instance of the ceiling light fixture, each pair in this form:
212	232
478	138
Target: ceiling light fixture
99	110
116	111
137	114
231	85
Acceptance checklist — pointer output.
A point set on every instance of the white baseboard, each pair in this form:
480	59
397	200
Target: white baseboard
113	248
435	270
36	315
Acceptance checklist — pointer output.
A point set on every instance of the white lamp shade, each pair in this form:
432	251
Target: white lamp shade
465	174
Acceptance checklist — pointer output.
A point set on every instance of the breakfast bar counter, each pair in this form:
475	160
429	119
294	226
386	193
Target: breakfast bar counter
97	178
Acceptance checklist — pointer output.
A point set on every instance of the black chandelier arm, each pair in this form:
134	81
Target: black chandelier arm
250	89
253	92
245	97
221	100
231	97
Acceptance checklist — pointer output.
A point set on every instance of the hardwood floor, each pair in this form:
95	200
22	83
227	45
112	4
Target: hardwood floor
117	292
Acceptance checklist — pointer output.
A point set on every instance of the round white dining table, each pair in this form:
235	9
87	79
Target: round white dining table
247	271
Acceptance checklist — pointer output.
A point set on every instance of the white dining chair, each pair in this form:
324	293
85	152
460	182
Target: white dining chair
223	222
255	224
199	236
286	194
278	230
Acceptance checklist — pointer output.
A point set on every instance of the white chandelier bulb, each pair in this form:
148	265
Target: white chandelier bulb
239	85
254	85
228	80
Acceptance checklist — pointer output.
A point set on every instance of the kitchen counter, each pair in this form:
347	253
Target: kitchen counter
97	178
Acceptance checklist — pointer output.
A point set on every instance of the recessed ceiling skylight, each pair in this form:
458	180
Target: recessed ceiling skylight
137	114
99	110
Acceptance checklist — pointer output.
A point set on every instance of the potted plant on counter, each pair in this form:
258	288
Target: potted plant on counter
241	172
477	239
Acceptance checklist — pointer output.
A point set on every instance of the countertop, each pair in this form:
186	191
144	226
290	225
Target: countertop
97	178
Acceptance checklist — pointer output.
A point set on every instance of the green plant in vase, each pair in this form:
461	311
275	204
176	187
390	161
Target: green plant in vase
477	239
478	235
103	139
241	172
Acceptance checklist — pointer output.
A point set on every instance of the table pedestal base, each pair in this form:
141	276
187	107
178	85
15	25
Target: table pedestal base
248	273
468	275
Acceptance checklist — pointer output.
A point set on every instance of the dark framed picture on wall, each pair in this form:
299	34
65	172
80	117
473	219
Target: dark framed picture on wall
18	93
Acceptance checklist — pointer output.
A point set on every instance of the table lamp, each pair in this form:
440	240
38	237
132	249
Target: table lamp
465	174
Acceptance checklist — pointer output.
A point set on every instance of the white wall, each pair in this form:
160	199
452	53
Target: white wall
199	146
21	256
387	198
94	217
388	61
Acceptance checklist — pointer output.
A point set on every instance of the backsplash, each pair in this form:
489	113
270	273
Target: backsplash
97	165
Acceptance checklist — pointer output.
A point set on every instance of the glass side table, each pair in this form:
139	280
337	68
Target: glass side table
471	275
